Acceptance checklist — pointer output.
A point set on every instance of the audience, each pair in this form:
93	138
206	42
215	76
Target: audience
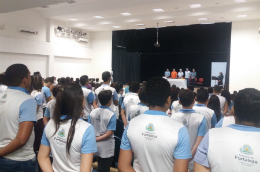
191	87
3	86
46	92
226	94
210	91
157	142
194	122
222	100
18	116
104	122
77	81
130	99
214	104
128	87
234	148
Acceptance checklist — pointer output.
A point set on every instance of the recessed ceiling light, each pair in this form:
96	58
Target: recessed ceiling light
126	14
242	15
140	24
91	28
158	10
200	19
116	26
195	5
98	17
239	1
169	21
73	19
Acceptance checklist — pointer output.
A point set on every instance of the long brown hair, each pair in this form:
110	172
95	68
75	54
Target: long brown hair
69	102
36	83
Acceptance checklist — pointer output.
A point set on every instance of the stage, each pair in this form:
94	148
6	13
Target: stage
181	83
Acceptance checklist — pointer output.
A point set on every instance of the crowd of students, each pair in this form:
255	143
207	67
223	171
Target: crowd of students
166	128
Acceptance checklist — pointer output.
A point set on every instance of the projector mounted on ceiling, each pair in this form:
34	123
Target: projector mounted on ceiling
157	42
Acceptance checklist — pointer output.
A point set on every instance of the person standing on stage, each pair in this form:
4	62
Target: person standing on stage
187	76
193	77
220	78
167	73
174	74
180	74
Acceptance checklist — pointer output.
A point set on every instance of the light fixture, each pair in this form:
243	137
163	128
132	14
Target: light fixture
242	15
157	44
140	24
73	19
239	1
201	19
116	26
91	28
195	5
169	21
126	14
98	17
158	10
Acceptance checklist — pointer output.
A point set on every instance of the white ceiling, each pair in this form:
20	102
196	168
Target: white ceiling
142	12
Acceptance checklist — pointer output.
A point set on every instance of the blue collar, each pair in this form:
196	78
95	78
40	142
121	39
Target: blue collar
200	105
83	87
153	112
141	104
65	116
18	88
244	128
187	111
104	107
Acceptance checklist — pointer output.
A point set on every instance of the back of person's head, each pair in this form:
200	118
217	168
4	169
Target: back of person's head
71	79
129	83
56	89
195	95
158	90
202	88
77	81
141	94
247	106
182	89
48	80
174	87
68	80
234	92
36	83
37	73
83	80
214	104
117	87
96	86
106	76
97	79
217	89
210	90
69	101
135	87
186	98
226	94
190	87
104	97
121	86
174	96
144	83
2	78
16	73
202	96
52	79
62	80
112	85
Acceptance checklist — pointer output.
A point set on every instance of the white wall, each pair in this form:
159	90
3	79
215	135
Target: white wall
245	55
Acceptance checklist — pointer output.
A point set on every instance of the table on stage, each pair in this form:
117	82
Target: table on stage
181	83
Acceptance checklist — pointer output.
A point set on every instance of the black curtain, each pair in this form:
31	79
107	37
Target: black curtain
126	66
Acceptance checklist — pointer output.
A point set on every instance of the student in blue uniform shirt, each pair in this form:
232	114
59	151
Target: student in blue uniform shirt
158	143
70	139
46	91
234	148
104	122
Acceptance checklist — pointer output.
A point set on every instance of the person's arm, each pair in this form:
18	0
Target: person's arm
46	117
231	112
108	134
123	115
180	165
86	162
115	98
91	98
214	121
194	149
219	124
200	168
44	158
225	108
111	127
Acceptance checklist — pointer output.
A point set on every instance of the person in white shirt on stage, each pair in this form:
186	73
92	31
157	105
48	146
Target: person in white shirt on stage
187	76
158	143
194	122
167	74
180	74
234	148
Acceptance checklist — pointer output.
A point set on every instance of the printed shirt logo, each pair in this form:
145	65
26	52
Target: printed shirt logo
184	122
246	149
62	133
150	127
4	96
98	118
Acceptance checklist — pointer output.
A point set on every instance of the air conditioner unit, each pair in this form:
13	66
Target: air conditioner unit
27	30
84	40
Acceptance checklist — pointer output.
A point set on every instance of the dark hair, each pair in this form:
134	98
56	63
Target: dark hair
36	83
67	80
226	94
112	85
121	86
174	87
182	89
77	81
186	97
117	87
190	87
71	79
210	90
56	89
15	74
157	91
144	83
96	86
62	80
2	78
222	74
135	86
247	106
129	83
214	104
234	92
195	95
83	80
202	88
48	79
141	94
97	79
217	88
106	76
174	96
69	102
36	73
202	96
104	97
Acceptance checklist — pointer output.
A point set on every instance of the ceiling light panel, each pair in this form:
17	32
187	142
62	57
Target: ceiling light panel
140	24
242	15
195	5
203	19
116	26
240	1
158	10
126	14
98	17
169	21
73	19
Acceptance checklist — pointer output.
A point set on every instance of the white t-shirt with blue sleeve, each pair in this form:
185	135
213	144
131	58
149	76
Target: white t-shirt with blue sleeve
103	119
40	101
47	93
234	148
84	142
16	106
89	98
209	114
226	121
155	139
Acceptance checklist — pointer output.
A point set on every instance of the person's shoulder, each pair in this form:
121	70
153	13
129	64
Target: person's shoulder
83	124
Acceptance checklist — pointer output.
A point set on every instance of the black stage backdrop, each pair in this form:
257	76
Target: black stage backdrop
194	46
